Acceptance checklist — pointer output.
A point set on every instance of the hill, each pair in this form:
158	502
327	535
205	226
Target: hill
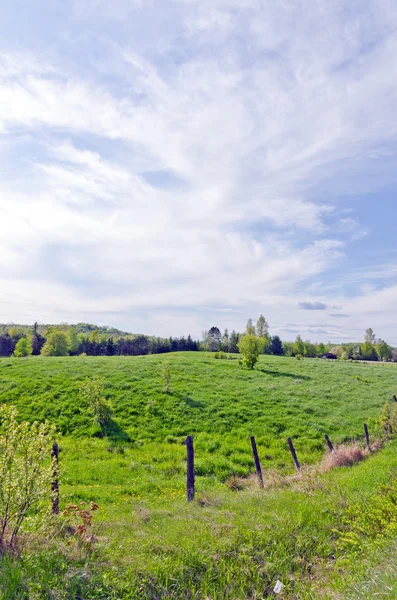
84	328
244	538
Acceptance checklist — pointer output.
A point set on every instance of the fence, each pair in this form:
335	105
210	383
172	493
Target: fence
190	474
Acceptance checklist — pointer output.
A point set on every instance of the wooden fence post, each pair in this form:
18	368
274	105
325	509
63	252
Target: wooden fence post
367	437
329	443
55	478
190	468
256	460
293	454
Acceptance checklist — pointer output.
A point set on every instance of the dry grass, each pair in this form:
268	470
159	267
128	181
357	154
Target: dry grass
238	484
344	456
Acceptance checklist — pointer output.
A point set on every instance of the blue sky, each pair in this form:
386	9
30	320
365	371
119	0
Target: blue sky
169	165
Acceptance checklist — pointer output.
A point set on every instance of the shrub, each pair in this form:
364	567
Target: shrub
298	356
388	420
25	472
92	392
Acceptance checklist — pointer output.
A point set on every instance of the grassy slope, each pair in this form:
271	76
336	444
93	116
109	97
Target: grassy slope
227	544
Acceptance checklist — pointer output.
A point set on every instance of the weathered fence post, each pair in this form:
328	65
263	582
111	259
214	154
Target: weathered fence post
190	468
55	478
293	454
256	460
329	443
367	437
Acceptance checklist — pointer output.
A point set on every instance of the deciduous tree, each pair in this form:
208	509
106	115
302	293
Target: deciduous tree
57	344
250	347
23	348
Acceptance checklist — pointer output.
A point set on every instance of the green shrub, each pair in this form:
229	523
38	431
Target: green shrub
25	472
92	393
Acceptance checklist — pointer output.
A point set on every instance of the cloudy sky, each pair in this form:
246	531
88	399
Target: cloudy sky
169	165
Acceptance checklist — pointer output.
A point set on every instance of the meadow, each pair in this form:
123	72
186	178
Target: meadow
235	540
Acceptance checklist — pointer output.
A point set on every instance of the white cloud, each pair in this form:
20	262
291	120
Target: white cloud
266	102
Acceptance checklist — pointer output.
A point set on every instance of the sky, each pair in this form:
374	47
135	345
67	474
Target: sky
170	165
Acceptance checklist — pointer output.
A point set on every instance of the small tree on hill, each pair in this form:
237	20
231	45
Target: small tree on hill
166	375
250	347
57	344
92	392
23	348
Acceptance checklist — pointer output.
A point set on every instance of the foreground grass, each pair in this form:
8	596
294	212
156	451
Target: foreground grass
226	544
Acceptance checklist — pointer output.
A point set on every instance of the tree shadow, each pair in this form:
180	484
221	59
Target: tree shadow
114	432
189	401
283	374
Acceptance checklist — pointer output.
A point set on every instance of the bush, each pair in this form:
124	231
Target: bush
25	472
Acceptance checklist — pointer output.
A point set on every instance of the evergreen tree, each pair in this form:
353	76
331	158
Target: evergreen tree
276	346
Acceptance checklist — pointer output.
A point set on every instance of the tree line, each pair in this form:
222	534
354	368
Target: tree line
86	339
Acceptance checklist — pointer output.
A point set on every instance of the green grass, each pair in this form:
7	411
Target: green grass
226	544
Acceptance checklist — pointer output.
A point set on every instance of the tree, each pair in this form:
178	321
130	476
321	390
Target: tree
267	345
25	472
57	344
225	341
310	349
7	345
23	348
368	351
250	329
321	349
110	347
288	348
276	346
383	350
299	346
233	342
37	340
74	341
250	347
262	327
213	340
370	337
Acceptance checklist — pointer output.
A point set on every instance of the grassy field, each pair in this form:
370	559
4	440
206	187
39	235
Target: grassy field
235	540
